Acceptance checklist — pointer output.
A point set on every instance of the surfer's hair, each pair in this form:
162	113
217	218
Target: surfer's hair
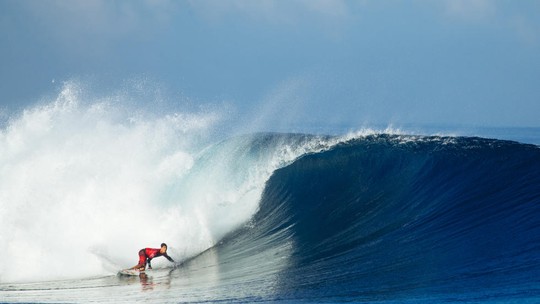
163	244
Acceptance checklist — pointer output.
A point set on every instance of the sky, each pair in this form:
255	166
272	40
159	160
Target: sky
313	62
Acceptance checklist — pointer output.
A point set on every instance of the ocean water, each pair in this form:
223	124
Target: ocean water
375	215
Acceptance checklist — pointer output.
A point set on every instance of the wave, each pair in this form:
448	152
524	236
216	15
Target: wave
372	215
364	217
387	215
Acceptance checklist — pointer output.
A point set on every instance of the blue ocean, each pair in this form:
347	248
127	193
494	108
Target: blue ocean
374	215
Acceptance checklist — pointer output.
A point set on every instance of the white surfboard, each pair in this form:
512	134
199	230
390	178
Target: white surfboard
129	272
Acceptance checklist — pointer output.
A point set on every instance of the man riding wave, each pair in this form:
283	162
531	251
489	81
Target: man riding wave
147	254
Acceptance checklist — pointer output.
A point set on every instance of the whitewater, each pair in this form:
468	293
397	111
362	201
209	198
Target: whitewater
376	216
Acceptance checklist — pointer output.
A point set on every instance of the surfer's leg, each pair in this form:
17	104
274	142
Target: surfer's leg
142	261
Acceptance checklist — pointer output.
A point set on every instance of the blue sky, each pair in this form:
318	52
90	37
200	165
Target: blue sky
470	62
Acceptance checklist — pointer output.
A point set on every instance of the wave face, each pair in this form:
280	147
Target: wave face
398	217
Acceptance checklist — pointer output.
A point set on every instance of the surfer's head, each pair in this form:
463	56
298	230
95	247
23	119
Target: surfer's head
163	248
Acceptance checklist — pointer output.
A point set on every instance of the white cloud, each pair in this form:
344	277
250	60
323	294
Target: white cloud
272	10
527	31
98	23
76	22
470	9
328	8
514	17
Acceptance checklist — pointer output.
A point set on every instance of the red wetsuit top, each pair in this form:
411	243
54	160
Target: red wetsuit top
147	254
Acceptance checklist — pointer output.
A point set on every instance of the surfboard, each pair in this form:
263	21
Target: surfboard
129	272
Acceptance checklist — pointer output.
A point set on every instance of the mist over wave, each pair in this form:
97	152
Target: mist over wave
80	177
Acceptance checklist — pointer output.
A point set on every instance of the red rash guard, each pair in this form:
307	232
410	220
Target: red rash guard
147	254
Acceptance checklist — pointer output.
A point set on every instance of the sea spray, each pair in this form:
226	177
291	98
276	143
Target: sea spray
79	176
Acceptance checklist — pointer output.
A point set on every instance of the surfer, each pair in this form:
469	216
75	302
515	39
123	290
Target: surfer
147	254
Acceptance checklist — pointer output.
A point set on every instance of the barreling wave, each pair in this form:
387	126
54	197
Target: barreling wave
366	217
386	216
373	215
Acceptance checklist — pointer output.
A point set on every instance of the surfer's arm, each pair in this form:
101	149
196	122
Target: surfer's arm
148	262
168	258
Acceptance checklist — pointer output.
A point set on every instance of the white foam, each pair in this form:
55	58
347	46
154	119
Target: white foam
80	180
